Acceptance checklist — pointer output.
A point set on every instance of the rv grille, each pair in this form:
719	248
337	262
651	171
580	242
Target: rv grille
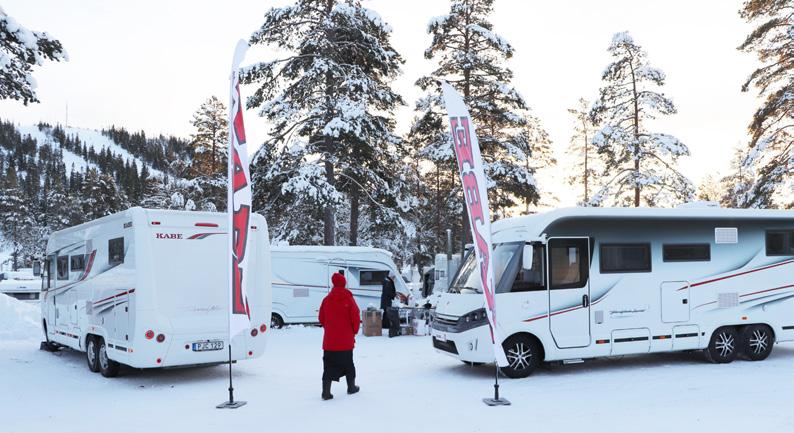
727	300
446	346
446	320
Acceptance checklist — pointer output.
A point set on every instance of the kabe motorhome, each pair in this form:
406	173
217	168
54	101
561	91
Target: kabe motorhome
148	288
302	278
589	282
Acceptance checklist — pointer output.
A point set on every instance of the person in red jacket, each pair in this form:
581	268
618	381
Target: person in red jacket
339	316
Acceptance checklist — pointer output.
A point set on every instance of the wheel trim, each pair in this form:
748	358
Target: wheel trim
725	344
91	352
759	341
103	357
519	357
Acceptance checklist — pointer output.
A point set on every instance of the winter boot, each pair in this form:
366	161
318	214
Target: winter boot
351	385
327	390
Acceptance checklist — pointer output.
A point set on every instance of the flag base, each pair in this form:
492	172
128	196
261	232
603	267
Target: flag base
231	405
496	401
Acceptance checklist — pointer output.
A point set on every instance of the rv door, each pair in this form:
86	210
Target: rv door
569	291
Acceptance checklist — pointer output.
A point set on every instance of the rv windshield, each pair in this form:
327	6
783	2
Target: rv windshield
468	281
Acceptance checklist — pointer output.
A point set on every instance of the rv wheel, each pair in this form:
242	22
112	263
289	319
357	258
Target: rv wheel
276	322
724	346
107	366
523	356
92	353
757	342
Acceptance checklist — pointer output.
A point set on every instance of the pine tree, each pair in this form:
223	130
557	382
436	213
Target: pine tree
209	143
16	220
471	57
20	50
771	141
737	185
330	103
101	196
639	165
581	151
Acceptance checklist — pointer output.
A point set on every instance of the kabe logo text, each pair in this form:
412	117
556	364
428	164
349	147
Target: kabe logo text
168	235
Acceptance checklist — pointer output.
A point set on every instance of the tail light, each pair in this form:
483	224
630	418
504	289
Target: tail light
159	360
263	328
254	332
149	334
250	353
160	338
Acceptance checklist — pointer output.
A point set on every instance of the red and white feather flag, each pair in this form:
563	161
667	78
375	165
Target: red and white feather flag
475	191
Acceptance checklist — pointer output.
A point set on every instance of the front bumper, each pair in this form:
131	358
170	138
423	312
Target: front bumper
470	345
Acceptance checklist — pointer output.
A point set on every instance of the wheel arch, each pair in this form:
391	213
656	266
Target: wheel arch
533	337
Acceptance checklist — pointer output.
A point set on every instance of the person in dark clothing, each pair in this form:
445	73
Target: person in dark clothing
391	315
388	293
340	318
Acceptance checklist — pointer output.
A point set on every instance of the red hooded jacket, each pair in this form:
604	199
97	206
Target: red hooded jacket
339	316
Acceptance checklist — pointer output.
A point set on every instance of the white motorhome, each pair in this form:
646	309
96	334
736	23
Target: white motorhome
588	282
148	288
302	278
22	284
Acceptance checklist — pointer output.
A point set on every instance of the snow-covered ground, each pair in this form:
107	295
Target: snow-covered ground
406	387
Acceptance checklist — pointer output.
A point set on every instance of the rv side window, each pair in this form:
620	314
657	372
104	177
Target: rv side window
568	264
372	278
687	253
625	258
77	262
780	243
532	279
50	270
116	251
63	267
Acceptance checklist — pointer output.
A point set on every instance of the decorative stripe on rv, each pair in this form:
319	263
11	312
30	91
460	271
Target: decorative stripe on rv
199	236
714	280
128	292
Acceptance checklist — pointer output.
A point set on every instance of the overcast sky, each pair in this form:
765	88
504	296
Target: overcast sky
149	64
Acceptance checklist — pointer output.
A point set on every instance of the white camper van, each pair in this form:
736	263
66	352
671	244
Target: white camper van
588	282
302	278
148	288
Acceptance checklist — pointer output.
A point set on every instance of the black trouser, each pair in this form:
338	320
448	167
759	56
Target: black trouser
394	321
337	364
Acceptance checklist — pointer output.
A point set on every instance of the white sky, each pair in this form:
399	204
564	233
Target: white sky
149	64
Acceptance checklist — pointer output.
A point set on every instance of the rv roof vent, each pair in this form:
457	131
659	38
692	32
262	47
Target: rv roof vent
700	204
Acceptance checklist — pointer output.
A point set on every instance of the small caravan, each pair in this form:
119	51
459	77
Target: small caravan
148	288
302	278
588	282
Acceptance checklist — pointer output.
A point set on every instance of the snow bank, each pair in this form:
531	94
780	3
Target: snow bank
18	320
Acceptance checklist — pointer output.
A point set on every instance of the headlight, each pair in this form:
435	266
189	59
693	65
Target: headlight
476	317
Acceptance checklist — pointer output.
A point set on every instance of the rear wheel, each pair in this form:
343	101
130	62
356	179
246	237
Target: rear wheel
523	356
92	353
757	342
107	366
723	346
276	322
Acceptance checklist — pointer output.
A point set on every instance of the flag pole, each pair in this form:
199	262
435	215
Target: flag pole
236	138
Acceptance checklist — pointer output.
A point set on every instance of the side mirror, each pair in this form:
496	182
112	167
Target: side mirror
527	258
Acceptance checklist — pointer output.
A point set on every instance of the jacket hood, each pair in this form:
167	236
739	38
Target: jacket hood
338	280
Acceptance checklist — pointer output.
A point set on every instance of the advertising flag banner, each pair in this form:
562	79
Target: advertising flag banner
239	203
475	192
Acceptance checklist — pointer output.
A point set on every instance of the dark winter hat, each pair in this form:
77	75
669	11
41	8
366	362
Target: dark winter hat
338	280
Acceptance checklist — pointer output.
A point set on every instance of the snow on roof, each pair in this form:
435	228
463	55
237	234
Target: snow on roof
536	224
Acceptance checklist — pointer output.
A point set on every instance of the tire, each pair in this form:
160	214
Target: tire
523	356
757	342
107	366
276	322
92	353
724	345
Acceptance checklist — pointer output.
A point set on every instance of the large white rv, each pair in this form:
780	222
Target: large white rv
302	278
148	288
583	282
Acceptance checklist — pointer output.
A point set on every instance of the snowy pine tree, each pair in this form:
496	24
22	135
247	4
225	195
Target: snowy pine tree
330	102
471	57
771	139
581	150
639	165
100	195
17	221
21	50
737	185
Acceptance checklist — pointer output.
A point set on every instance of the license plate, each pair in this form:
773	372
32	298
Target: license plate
440	336
204	346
